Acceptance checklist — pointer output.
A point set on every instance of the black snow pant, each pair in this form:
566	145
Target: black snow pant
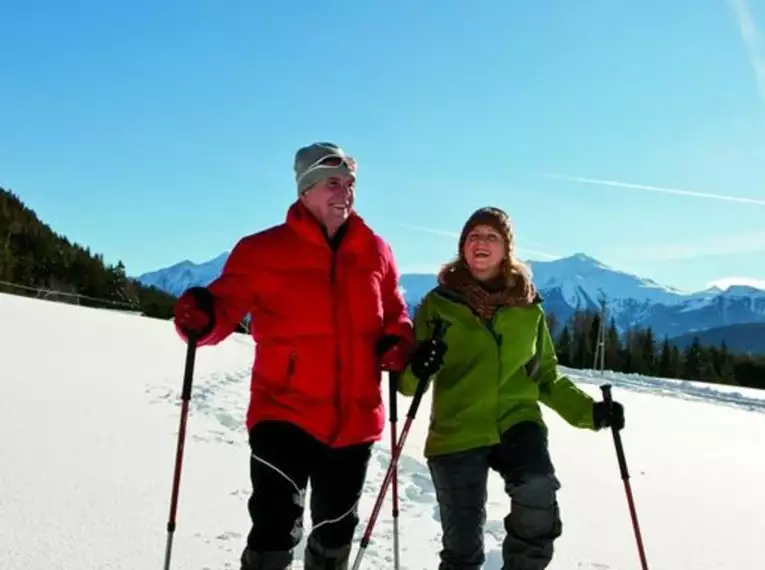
460	479
284	459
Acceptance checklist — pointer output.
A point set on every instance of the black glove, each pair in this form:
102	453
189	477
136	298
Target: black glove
607	415
427	358
393	352
386	342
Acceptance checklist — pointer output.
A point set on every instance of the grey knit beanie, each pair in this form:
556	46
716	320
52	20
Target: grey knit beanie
319	161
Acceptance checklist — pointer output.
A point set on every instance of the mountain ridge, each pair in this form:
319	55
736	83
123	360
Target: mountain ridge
568	284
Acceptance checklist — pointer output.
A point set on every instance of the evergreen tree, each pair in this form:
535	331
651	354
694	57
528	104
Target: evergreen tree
676	364
565	346
613	348
664	365
636	351
648	351
34	257
692	359
724	365
583	354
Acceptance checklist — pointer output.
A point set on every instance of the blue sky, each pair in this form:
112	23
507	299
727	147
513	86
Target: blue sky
161	131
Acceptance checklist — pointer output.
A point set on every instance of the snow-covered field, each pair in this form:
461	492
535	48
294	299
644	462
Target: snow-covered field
89	409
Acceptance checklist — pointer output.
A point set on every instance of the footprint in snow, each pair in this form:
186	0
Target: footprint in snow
420	488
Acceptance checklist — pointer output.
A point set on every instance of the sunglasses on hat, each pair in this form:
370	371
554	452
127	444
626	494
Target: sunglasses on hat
332	161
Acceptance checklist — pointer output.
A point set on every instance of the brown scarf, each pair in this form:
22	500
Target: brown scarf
486	298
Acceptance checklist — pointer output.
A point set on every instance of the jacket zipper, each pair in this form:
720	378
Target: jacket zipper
489	327
498	344
338	368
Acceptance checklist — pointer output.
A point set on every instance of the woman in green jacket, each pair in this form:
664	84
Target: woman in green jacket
499	364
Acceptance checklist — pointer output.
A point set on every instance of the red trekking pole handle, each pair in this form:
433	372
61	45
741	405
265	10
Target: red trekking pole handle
606	389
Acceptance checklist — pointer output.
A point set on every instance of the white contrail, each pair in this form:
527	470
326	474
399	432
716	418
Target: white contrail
660	189
456	235
750	242
751	37
436	231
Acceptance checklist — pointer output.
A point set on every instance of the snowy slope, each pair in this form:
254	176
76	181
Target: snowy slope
88	422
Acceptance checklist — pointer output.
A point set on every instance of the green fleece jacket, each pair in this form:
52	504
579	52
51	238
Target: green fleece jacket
494	374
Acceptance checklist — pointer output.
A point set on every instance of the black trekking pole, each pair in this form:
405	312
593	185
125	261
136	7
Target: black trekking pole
606	389
393	378
188	375
396	453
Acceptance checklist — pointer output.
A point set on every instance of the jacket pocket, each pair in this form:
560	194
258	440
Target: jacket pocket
365	373
274	367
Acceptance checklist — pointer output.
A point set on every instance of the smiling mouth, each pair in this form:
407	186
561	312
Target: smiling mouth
481	254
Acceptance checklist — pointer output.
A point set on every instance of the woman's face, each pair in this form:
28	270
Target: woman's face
484	251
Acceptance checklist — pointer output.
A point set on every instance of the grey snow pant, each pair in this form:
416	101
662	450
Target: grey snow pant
533	524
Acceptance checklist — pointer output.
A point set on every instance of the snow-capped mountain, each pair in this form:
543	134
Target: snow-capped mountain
179	277
568	284
706	310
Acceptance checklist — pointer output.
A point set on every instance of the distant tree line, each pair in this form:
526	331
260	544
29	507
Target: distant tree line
32	255
638	351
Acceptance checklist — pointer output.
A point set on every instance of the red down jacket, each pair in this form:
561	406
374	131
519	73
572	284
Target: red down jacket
316	316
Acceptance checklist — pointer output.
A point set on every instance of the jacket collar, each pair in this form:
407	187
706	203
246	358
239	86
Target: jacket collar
354	232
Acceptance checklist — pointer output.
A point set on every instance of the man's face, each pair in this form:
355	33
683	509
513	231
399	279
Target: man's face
331	201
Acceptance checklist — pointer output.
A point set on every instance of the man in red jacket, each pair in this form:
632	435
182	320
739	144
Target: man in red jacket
326	317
